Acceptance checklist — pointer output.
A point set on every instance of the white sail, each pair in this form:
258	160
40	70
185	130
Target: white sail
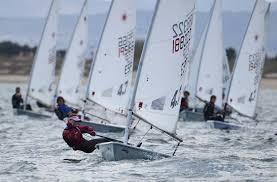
164	64
248	70
41	84
210	78
195	65
73	66
111	73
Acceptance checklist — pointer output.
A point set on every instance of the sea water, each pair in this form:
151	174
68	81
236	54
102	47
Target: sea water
33	150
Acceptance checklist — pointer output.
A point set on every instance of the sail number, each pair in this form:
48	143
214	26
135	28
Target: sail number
122	88
256	66
254	60
126	44
182	34
252	96
126	48
174	101
176	98
52	55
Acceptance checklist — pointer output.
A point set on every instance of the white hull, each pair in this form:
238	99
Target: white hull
113	151
223	125
191	116
30	113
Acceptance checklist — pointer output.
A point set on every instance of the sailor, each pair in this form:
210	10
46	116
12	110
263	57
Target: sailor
185	101
17	100
227	109
72	135
62	110
209	111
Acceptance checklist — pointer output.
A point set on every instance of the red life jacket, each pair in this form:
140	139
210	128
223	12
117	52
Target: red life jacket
73	137
184	103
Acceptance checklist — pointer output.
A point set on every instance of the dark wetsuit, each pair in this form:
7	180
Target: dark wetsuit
72	135
17	102
209	113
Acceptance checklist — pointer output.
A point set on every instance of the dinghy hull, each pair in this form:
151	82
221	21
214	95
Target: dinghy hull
30	113
191	116
114	151
223	125
104	128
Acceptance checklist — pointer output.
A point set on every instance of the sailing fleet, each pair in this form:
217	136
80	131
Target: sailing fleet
166	69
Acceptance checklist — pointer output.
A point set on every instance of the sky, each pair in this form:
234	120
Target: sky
27	8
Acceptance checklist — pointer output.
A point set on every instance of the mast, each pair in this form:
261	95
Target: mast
133	93
154	126
37	51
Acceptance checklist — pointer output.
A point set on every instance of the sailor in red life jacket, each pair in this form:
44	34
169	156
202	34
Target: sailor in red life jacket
72	135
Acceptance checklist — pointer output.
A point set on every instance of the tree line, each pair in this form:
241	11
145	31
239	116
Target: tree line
8	48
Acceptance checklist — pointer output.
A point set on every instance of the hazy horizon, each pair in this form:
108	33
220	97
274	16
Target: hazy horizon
27	30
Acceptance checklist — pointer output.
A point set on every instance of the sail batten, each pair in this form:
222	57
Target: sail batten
42	79
73	66
245	81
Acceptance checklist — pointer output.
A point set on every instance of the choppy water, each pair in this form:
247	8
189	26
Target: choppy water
33	150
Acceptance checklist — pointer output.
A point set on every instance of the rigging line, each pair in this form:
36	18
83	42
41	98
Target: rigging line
176	148
106	109
140	142
133	129
159	129
136	124
256	120
108	138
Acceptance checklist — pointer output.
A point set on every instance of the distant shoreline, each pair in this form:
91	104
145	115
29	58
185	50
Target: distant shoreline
269	82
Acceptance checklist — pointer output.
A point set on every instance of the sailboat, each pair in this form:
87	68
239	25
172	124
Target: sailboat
207	68
74	64
42	78
111	71
245	81
161	78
